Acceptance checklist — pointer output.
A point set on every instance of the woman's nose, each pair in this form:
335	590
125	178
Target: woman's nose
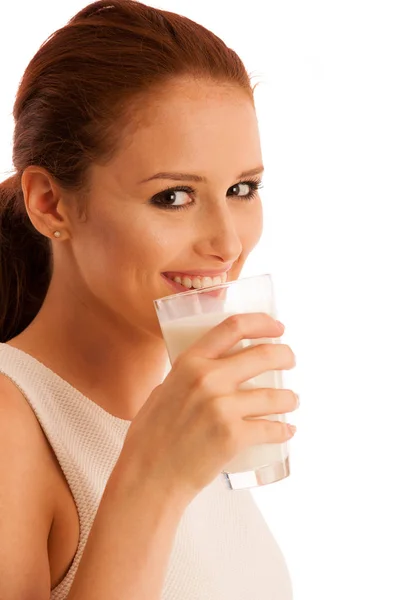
218	235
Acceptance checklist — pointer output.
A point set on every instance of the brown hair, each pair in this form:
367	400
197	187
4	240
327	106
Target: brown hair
68	113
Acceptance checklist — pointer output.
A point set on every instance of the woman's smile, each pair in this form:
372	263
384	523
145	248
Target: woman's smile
196	280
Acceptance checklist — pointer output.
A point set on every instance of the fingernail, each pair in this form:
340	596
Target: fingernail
298	400
281	324
292	429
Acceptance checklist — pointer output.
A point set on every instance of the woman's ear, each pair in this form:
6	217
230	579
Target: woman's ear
44	203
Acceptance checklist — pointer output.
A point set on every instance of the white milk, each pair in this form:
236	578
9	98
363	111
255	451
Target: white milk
182	333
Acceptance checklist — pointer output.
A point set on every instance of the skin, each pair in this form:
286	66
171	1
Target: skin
97	327
98	330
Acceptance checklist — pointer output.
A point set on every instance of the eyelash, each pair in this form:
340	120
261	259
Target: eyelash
254	184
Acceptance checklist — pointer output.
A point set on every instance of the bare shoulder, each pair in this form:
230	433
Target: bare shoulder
26	500
18	424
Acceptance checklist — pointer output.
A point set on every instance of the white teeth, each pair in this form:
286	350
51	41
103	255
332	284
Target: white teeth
207	281
200	282
197	283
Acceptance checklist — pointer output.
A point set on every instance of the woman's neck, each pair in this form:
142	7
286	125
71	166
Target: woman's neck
116	367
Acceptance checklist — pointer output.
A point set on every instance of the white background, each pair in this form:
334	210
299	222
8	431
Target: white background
329	114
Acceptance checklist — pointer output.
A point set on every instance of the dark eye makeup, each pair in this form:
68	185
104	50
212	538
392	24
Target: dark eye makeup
165	199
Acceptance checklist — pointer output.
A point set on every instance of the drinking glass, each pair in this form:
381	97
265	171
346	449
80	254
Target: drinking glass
186	316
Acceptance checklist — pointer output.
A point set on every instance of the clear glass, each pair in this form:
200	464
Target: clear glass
187	316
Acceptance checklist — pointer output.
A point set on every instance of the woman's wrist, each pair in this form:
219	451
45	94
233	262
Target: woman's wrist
129	480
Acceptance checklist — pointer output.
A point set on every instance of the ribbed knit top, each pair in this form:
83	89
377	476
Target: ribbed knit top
223	548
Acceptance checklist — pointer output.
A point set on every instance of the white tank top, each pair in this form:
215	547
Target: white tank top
223	549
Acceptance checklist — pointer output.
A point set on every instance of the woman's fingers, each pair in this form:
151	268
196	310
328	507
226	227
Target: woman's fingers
261	402
264	431
223	337
254	360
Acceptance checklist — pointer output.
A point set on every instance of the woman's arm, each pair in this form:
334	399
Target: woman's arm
128	549
127	552
26	500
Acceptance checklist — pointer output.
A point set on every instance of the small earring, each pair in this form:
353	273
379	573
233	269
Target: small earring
57	234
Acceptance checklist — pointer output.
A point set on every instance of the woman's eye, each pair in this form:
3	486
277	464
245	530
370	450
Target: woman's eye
176	198
173	198
241	186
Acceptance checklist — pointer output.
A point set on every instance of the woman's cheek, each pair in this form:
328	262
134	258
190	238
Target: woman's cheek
252	227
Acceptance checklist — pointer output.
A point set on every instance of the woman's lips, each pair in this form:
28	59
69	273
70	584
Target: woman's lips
198	273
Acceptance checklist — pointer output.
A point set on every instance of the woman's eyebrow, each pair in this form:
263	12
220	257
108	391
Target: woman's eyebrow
197	178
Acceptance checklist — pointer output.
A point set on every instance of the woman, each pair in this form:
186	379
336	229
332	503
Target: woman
137	160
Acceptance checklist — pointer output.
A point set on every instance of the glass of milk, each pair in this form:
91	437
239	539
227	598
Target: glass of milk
186	316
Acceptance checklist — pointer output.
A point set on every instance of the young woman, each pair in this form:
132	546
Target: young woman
137	159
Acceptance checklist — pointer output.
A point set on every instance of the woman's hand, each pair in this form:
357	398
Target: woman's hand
194	423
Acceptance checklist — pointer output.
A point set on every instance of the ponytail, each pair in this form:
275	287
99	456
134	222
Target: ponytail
25	263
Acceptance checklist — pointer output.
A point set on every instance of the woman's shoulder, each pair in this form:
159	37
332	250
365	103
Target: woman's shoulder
24	447
21	436
25	487
14	409
34	475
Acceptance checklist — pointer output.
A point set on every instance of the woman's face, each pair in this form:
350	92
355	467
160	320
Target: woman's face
137	230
